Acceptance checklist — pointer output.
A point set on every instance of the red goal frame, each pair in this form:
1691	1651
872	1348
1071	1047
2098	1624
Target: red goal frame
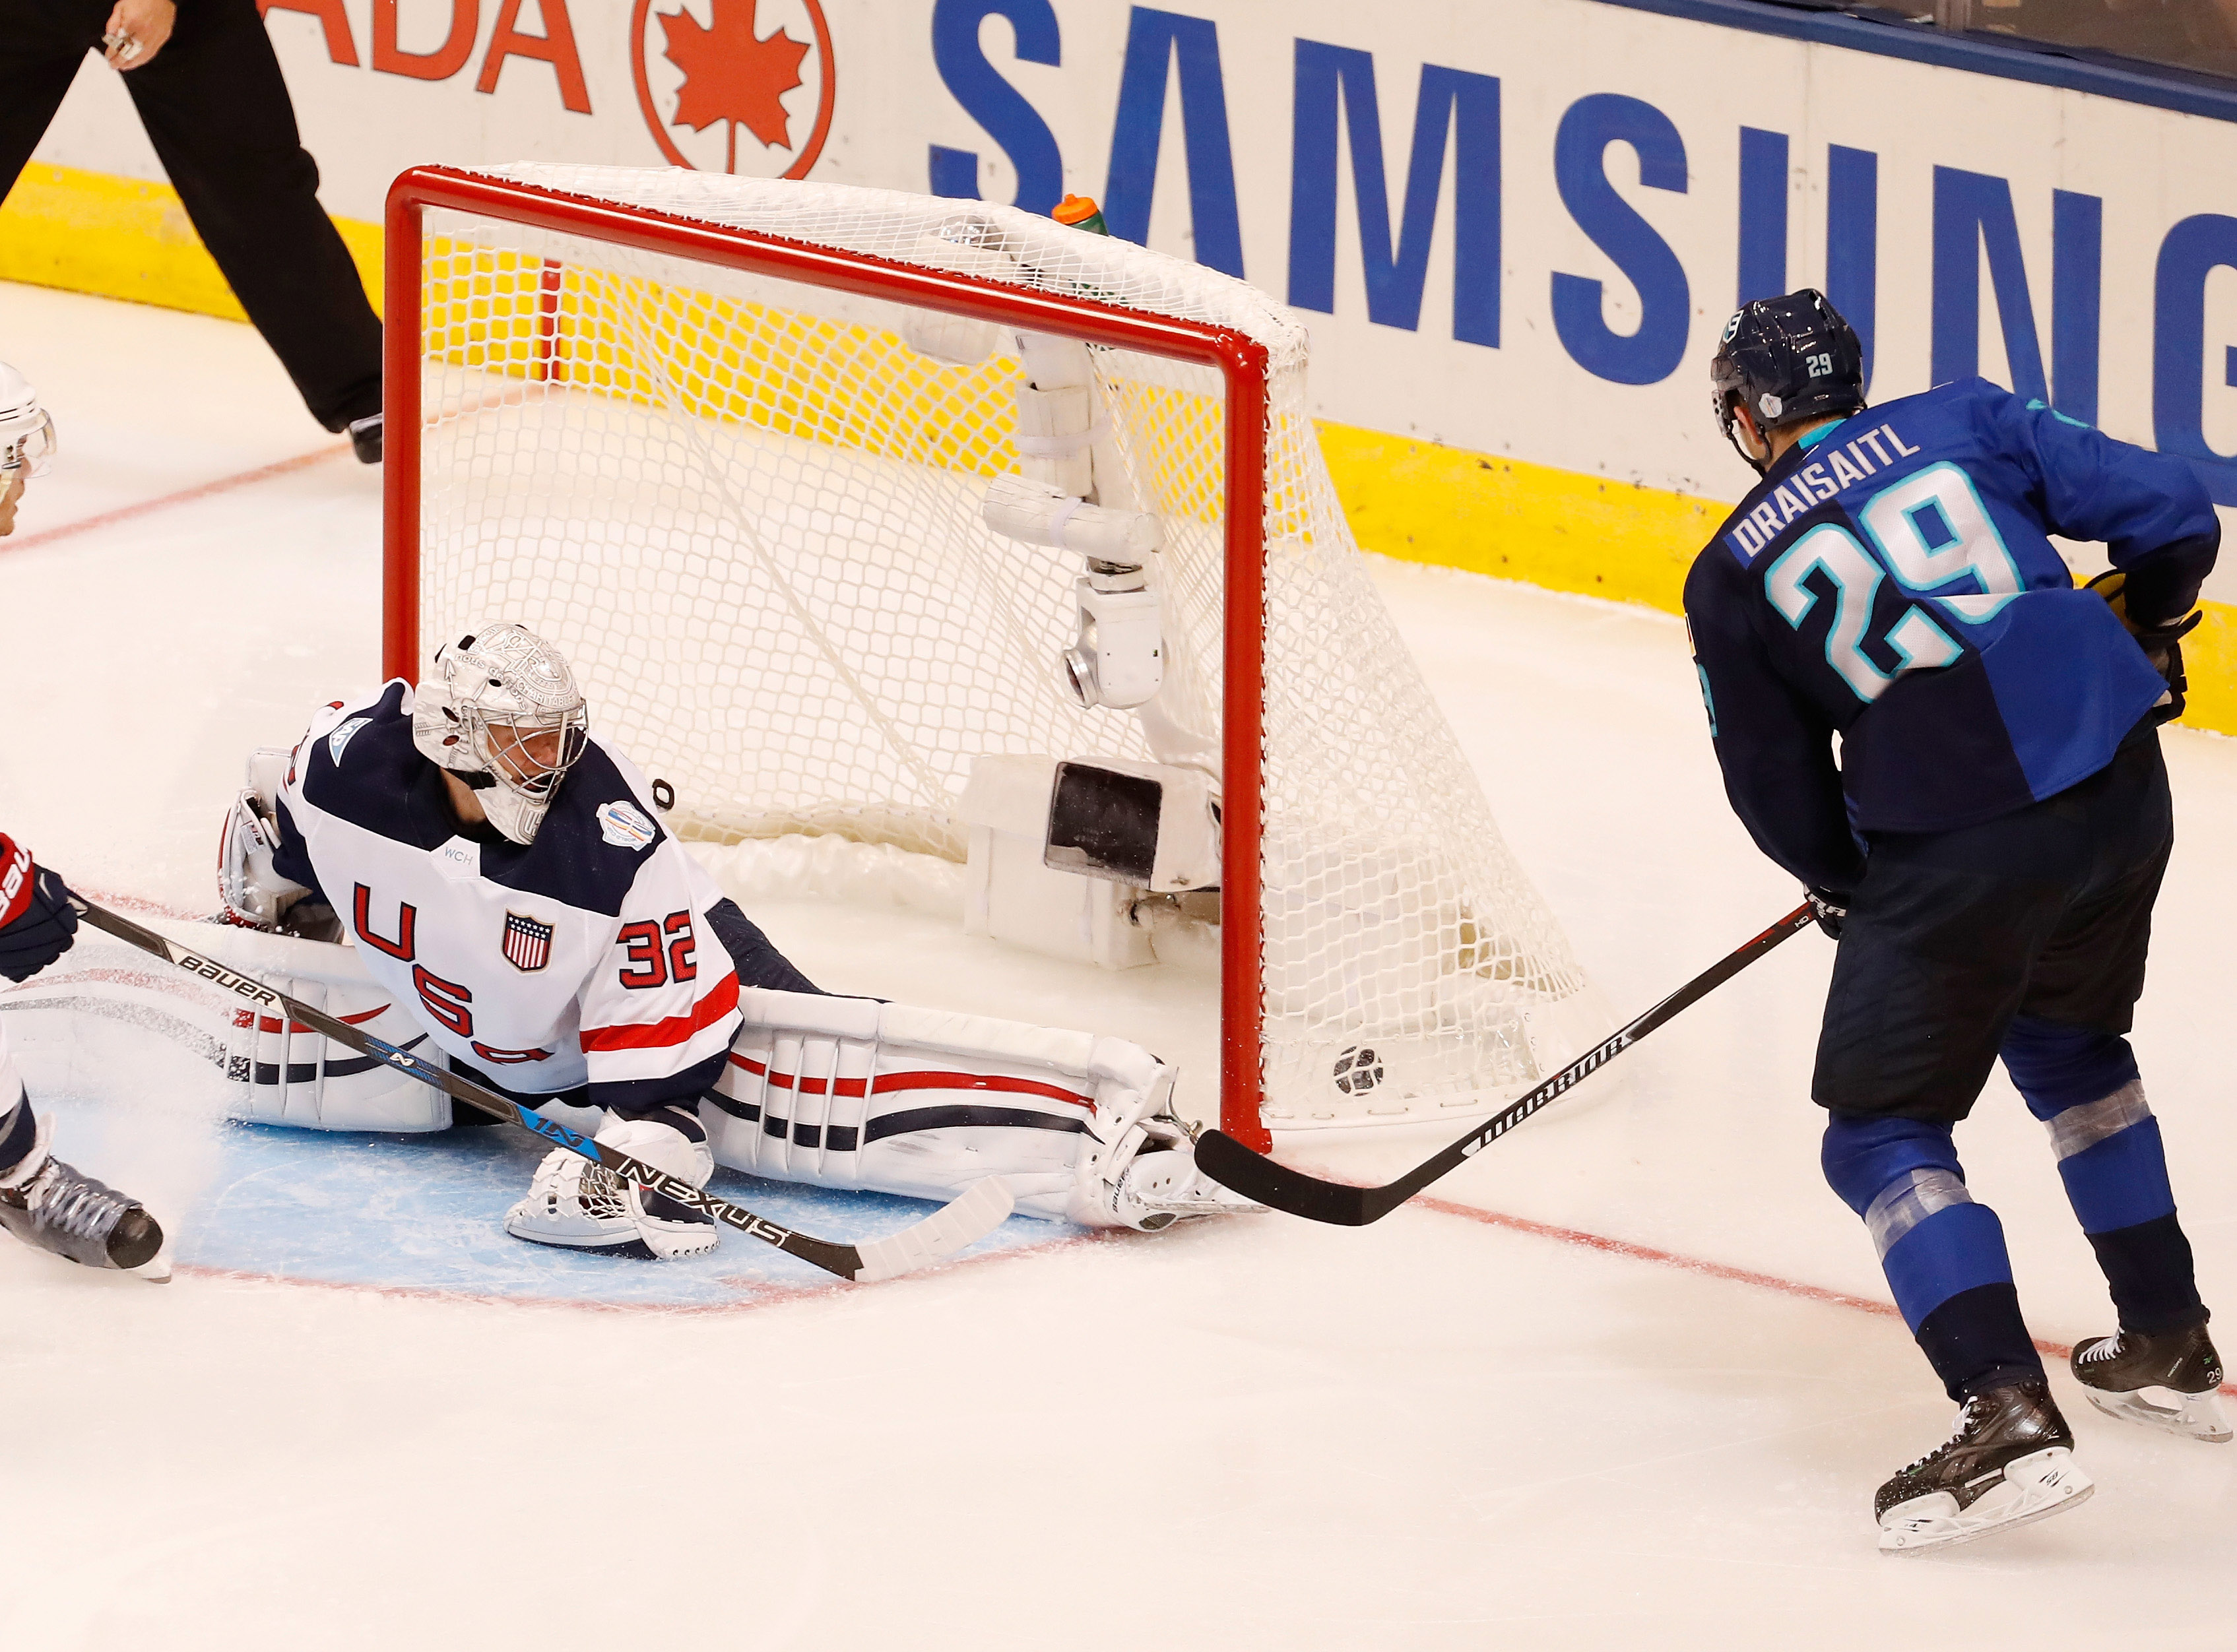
1241	361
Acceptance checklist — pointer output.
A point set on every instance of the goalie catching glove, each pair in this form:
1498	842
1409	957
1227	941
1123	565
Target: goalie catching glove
583	1206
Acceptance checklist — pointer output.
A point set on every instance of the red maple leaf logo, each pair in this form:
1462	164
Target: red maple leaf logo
732	73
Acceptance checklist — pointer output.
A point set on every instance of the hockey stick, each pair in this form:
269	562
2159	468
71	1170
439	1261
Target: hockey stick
948	1230
1255	1176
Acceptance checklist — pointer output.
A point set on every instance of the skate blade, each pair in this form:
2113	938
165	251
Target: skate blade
2191	1417
1229	1205
1204	1198
156	1270
2049	1483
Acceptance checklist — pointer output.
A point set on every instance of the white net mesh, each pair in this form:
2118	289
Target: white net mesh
749	510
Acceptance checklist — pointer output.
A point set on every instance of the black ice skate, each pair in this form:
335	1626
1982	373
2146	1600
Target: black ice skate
2011	1461
52	1207
2168	1381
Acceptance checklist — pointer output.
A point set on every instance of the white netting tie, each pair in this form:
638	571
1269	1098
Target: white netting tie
1071	508
1058	447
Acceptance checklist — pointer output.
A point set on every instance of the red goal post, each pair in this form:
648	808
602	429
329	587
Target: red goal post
1241	361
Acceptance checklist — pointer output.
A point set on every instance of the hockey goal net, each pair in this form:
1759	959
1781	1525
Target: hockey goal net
729	443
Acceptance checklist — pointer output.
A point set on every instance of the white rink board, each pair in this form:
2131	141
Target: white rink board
909	79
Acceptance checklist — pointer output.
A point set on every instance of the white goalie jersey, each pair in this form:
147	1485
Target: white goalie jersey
581	965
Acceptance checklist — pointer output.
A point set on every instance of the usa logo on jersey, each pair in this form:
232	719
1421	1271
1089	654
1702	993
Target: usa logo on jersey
527	943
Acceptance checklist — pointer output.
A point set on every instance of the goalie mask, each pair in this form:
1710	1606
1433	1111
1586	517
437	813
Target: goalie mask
27	429
501	711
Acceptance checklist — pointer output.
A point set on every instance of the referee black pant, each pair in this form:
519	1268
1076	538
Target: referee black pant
218	112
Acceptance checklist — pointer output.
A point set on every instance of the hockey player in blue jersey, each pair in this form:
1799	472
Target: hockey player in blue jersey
1986	851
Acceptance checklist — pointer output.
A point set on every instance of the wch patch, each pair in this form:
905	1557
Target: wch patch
338	742
624	826
527	943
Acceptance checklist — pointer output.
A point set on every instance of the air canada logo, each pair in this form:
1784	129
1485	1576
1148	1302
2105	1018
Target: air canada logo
737	86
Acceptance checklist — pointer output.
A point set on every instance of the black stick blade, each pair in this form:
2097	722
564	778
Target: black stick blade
1257	1177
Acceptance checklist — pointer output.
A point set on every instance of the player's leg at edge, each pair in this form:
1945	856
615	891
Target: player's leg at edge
49	1205
52	1206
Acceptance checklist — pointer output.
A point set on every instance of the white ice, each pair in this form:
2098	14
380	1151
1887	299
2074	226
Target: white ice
1445	1430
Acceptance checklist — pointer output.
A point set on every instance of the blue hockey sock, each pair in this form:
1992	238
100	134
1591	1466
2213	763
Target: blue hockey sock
18	1130
2084	1086
1943	1254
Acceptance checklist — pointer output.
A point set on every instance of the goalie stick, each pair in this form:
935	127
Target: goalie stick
948	1230
1256	1176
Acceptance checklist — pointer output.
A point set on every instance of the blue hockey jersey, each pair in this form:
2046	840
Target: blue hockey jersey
1890	582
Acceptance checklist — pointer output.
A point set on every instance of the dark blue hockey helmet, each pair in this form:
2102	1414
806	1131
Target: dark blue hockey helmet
1788	360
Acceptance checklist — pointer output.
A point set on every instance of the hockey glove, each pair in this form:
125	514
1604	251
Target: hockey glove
256	896
2162	644
1829	907
36	921
2169	705
2159	642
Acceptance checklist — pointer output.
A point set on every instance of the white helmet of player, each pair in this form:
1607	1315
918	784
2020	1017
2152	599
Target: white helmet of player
27	429
501	711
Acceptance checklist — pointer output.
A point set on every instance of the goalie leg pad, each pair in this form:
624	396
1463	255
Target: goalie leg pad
581	1206
286	1074
854	1093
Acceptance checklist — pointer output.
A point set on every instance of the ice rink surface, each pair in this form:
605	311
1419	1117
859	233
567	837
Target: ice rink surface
1629	1381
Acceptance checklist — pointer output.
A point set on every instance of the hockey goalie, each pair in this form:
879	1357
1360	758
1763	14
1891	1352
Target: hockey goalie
465	864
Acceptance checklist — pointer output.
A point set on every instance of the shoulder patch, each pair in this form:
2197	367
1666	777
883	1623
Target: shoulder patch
624	826
340	738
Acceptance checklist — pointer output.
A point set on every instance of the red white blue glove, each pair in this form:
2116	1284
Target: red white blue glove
36	920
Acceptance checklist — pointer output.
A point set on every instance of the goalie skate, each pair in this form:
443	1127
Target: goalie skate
1163	1184
1140	1170
2009	1462
52	1207
2170	1382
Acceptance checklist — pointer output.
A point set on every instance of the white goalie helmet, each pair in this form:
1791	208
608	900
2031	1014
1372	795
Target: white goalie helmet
500	710
27	429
